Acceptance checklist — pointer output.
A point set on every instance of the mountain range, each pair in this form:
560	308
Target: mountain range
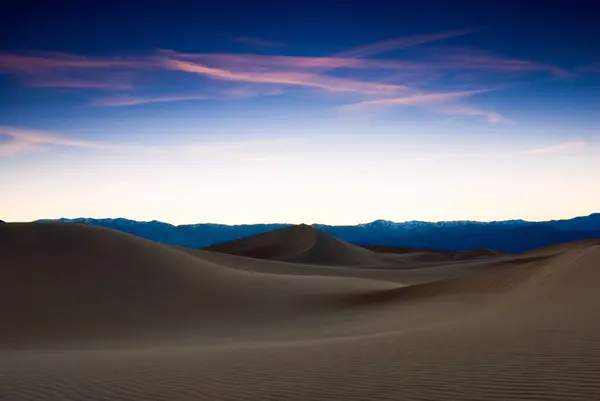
505	236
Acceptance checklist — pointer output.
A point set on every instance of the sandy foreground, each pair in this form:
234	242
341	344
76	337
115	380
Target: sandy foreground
93	314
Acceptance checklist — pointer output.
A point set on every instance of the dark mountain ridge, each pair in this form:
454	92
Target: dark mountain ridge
505	236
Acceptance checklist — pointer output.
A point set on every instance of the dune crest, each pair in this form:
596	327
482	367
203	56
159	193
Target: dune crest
300	244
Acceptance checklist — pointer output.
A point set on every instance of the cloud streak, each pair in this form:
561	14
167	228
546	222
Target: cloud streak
80	84
558	148
241	92
378	82
44	62
594	68
120	101
416	100
24	139
232	146
471	111
439	102
466	59
246	40
247	92
228	60
399	43
289	78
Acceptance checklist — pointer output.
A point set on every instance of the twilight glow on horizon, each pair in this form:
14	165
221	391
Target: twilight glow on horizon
297	112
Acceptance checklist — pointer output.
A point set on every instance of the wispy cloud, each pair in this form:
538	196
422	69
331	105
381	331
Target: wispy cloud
594	68
558	148
378	82
59	70
246	92
469	59
228	60
80	84
239	145
13	147
241	92
399	43
439	102
323	82
43	62
24	139
119	101
472	111
257	42
416	100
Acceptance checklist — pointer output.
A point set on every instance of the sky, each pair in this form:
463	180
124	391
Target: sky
299	111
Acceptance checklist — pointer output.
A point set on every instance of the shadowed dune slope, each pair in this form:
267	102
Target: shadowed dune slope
301	244
431	256
69	281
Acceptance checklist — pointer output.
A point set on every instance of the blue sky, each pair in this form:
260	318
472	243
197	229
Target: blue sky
251	112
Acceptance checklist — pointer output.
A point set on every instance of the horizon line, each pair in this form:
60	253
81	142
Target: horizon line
68	219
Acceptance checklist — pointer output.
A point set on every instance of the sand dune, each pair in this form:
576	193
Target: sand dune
71	281
301	244
98	315
306	245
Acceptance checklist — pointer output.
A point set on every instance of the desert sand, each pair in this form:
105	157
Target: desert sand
93	314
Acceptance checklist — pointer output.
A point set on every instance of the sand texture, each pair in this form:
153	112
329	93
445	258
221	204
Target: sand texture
93	314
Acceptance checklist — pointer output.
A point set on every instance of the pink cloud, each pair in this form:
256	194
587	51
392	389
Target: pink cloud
417	99
257	42
439	102
590	68
13	147
261	75
242	92
25	139
353	58
400	43
59	70
246	92
293	62
561	147
372	48
291	78
471	111
120	101
466	59
80	84
29	64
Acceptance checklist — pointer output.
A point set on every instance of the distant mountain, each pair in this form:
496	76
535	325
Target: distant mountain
506	236
189	235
